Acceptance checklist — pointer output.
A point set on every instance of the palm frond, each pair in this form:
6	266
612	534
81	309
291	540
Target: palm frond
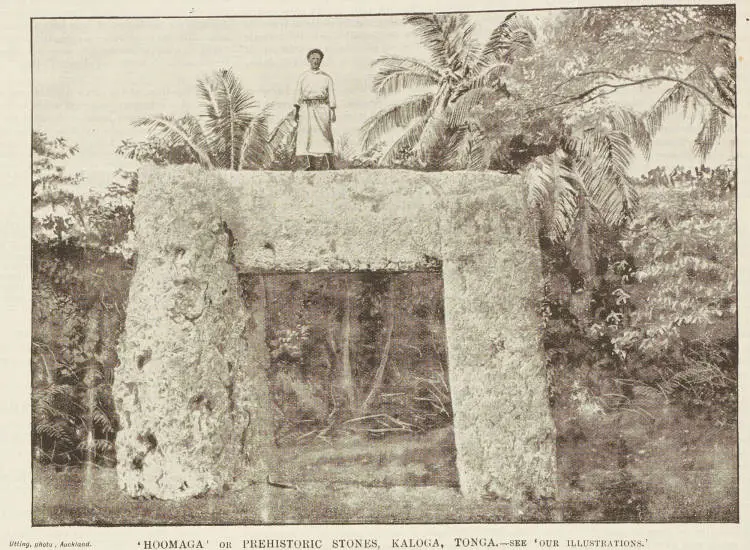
209	102
283	129
465	150
458	148
554	188
606	193
602	158
96	446
232	99
461	109
102	421
62	391
514	37
254	150
407	139
489	76
565	192
469	52
396	73
212	115
725	84
59	431
448	37
184	131
395	116
711	130
670	102
434	137
690	100
634	126
235	107
45	409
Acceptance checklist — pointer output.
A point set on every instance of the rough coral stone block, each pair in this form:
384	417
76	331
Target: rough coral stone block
191	389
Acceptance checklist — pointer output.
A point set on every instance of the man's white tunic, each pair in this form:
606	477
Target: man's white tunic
316	98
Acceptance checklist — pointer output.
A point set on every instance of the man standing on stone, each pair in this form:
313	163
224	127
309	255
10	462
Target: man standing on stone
315	110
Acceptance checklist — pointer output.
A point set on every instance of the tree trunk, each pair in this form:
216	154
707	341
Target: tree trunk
377	383
346	378
583	261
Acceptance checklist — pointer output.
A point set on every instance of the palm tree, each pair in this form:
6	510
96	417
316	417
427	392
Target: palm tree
583	195
231	133
461	75
590	166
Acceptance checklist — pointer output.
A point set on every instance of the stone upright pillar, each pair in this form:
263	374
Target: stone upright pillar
504	431
191	388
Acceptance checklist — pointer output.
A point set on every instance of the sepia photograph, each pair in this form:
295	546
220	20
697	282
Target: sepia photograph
404	268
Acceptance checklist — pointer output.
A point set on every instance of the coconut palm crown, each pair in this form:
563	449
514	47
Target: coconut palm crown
459	76
231	132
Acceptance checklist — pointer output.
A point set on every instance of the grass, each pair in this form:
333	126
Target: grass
655	463
409	479
662	466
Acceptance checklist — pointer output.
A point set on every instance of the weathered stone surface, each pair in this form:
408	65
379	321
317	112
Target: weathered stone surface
491	272
197	229
336	221
191	388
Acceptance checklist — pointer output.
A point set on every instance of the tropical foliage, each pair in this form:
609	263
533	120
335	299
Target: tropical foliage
82	245
663	329
356	353
231	132
686	54
435	124
73	416
589	171
47	171
682	289
157	150
567	112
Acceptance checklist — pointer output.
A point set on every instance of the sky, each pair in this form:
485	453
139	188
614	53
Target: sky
92	78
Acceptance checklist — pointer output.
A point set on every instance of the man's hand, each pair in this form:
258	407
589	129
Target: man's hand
333	114
296	113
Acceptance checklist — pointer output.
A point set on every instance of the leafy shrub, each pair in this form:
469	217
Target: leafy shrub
663	313
73	416
680	335
82	261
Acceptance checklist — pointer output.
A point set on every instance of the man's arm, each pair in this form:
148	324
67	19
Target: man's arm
297	99
331	99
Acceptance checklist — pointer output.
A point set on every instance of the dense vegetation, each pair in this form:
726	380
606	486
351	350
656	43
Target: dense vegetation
357	353
81	272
